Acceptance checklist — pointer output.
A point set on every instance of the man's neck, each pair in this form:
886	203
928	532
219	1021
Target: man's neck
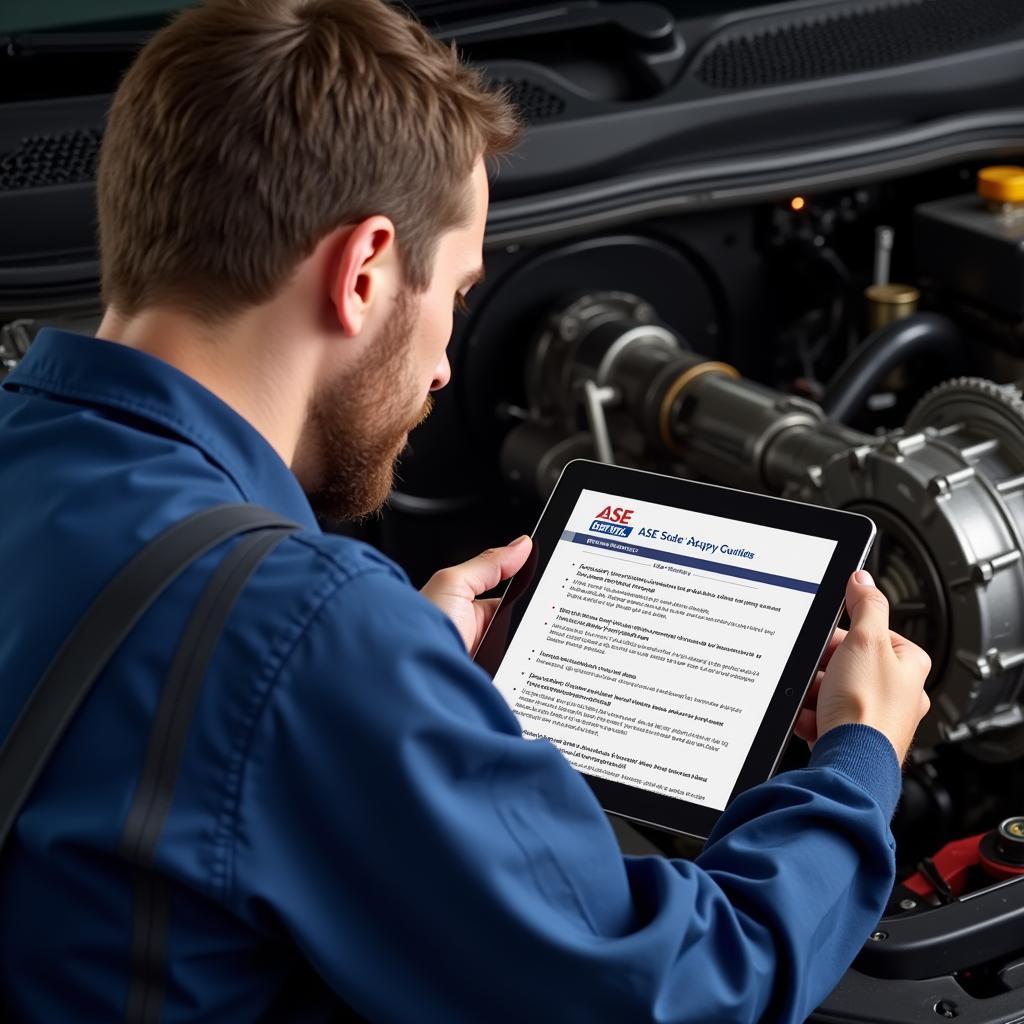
246	363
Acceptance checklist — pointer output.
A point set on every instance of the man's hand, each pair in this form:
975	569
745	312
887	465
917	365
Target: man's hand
869	675
455	590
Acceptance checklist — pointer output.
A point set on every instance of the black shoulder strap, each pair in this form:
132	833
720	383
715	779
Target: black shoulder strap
109	619
155	792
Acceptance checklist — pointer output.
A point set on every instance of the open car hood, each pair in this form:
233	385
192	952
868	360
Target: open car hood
632	107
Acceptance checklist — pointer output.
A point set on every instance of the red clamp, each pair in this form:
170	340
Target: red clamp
999	853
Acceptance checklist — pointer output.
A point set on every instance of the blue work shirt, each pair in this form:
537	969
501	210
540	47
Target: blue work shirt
357	820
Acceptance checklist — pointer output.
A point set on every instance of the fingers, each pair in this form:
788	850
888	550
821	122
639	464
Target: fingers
838	636
807	726
907	651
480	574
485	610
811	700
869	616
867	606
503	562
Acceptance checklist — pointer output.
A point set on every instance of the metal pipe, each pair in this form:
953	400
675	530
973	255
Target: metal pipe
595	399
884	238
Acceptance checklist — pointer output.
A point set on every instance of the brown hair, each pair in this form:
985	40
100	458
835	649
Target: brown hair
246	130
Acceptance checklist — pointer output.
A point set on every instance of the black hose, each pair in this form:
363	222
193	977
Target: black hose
890	346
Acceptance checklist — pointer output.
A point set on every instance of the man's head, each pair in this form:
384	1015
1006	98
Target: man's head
321	162
362	412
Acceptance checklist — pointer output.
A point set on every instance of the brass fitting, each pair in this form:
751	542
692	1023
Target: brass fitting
888	303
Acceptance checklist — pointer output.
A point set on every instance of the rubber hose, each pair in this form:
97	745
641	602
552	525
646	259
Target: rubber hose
890	346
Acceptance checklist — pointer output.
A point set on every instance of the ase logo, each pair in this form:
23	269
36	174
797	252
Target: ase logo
612	521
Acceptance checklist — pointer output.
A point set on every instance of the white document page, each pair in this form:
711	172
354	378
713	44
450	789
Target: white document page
655	640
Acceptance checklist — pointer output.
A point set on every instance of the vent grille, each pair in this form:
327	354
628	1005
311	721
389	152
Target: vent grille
42	160
535	102
858	41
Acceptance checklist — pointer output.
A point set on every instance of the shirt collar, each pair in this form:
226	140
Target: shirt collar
93	372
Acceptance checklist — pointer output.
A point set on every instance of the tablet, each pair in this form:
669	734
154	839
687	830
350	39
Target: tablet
663	634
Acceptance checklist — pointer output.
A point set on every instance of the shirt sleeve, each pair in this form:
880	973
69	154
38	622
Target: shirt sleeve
433	865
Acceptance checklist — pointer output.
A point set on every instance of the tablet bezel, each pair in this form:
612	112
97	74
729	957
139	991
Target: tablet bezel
853	534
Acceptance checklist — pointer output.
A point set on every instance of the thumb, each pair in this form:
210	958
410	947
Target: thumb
866	605
513	556
486	570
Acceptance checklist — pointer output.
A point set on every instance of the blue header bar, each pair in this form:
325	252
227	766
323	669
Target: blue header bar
656	554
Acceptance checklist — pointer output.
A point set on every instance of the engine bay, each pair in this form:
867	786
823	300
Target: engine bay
830	348
741	248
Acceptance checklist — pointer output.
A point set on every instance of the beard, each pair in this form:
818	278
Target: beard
358	425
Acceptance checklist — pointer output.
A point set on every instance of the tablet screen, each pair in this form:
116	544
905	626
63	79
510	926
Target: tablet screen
655	639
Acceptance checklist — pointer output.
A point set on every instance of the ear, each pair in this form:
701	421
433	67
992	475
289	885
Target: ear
365	260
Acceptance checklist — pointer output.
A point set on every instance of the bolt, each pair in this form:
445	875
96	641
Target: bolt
857	457
908	904
947	1008
879	936
568	328
1015	827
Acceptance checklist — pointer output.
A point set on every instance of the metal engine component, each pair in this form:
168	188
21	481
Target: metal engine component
948	496
15	338
598	366
947	491
612	340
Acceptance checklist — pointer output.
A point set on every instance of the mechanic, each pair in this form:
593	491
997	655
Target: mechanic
292	193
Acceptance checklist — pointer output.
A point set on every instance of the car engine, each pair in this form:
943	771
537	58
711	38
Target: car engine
775	247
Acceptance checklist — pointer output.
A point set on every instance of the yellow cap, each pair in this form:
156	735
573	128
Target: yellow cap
1001	184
